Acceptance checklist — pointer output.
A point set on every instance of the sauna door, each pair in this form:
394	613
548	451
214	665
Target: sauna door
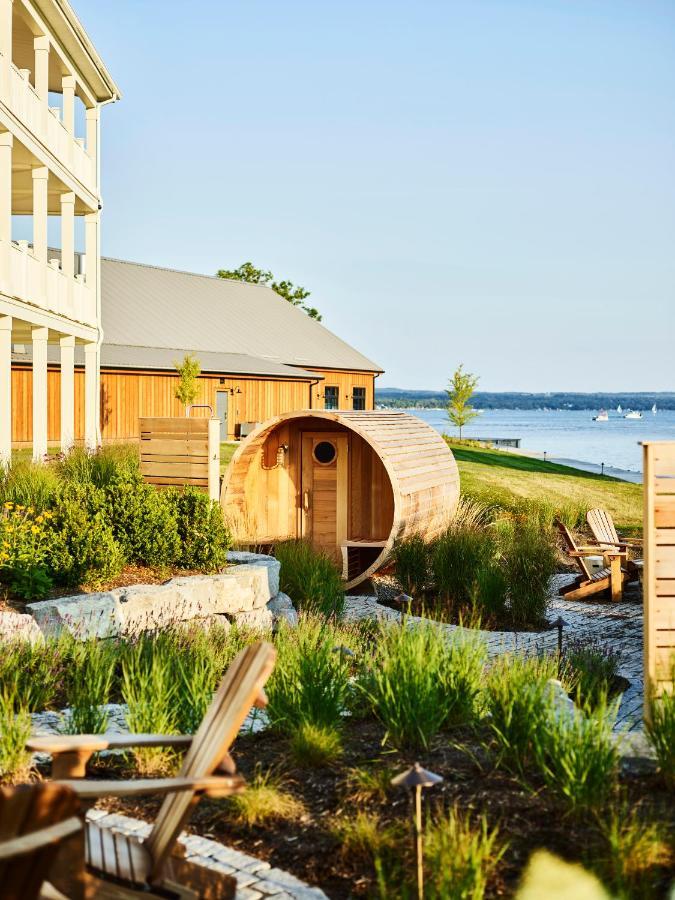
323	501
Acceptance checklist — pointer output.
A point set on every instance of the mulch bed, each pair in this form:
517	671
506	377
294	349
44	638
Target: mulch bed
528	819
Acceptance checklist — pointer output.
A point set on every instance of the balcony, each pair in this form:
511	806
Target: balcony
45	124
45	286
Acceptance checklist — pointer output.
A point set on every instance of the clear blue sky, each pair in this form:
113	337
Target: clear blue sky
490	183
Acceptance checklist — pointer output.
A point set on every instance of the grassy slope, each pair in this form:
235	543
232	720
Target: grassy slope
493	472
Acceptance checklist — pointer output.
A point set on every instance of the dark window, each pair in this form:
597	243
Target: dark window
331	398
358	398
324	452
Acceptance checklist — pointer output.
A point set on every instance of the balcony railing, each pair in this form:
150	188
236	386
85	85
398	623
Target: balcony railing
44	285
46	125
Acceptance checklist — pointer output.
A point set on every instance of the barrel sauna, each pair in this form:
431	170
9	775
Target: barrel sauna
352	483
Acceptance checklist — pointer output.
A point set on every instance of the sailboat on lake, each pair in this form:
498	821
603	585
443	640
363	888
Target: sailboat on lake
654	409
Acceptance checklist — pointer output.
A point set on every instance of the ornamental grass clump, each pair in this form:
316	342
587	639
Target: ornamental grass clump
15	727
517	695
660	728
101	467
310	682
457	557
34	673
264	800
576	754
419	680
310	578
411	561
29	485
461	853
530	560
592	668
314	746
90	677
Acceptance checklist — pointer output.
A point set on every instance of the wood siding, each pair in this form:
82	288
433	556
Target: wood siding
345	382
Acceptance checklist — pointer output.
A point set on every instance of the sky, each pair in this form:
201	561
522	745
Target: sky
489	182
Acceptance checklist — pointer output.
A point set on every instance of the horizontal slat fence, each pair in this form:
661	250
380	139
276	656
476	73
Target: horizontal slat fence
659	568
181	451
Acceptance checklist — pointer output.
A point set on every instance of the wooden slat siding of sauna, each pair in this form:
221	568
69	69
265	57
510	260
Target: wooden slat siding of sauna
344	380
659	569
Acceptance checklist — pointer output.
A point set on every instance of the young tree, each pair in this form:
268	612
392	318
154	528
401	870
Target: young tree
188	373
462	385
295	295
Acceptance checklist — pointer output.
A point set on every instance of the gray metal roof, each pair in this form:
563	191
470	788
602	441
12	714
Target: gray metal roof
147	306
115	356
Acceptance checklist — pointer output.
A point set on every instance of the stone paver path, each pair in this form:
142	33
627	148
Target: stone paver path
618	625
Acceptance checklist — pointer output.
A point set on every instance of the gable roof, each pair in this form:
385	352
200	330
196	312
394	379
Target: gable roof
148	306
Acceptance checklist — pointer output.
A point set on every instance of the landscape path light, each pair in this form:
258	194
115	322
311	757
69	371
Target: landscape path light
417	778
560	623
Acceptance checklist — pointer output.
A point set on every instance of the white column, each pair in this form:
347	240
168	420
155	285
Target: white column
5	390
67	393
40	181
91	406
5	44
91	115
41	46
40	336
6	141
68	90
68	234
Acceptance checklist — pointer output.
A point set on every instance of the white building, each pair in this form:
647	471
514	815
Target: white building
52	85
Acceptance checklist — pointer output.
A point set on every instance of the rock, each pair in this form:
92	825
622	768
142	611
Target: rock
259	619
19	627
282	607
83	615
272	565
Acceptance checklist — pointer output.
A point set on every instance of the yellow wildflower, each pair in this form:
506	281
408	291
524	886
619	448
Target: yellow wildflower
9	505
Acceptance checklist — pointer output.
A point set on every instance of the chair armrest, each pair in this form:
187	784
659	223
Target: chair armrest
211	785
76	743
43	837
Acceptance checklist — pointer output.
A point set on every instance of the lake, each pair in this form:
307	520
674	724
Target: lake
568	435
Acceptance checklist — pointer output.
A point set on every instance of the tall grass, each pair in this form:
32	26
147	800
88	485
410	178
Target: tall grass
15	728
461	853
310	578
411	560
100	467
29	484
35	673
90	677
661	732
593	668
530	560
264	800
457	557
419	681
310	681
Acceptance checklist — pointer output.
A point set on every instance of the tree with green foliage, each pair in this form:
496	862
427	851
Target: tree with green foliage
188	373
295	295
461	388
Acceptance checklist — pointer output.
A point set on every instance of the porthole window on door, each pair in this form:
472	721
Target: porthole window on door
325	452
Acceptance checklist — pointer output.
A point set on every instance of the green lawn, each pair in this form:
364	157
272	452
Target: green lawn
508	478
226	454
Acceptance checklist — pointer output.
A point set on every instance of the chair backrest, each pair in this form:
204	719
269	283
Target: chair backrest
241	686
26	809
602	527
570	544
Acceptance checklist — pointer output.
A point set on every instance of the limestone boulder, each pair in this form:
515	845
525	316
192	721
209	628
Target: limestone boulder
83	615
269	563
282	609
19	627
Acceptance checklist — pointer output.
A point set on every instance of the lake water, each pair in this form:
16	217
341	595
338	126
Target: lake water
568	435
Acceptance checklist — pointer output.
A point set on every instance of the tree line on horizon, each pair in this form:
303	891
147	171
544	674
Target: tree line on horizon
398	398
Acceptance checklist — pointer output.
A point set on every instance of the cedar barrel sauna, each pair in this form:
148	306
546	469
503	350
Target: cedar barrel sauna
350	482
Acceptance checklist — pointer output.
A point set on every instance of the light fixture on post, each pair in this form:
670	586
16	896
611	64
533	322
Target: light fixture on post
417	778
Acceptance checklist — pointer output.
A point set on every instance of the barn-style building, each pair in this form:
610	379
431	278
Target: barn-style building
260	356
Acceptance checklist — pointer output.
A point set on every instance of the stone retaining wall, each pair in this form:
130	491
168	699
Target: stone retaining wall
246	594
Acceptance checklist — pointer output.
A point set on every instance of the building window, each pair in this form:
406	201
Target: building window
331	398
358	398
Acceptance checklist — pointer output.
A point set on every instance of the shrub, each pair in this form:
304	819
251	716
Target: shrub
315	745
592	668
530	562
411	560
101	467
577	755
660	730
517	696
24	551
90	676
144	523
29	484
204	538
311	677
419	681
15	728
83	550
310	578
457	557
461	854
264	800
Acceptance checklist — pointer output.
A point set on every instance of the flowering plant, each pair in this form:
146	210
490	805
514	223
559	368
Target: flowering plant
24	543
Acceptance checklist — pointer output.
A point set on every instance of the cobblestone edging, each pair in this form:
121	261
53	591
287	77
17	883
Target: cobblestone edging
255	879
616	624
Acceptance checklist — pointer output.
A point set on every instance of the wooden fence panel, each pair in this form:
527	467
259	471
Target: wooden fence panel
179	451
659	568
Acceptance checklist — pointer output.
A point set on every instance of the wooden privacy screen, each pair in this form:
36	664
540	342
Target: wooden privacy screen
180	451
659	569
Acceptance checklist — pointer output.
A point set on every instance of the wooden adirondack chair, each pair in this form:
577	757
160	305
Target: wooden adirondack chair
35	820
604	531
611	577
157	861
